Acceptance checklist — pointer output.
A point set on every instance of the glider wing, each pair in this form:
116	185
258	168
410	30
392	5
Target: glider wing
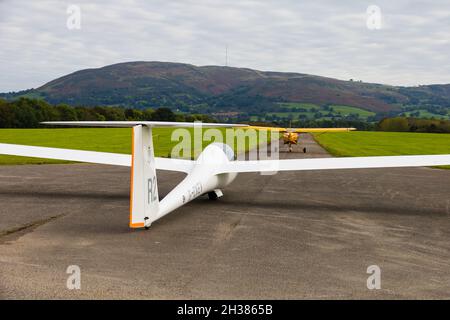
334	163
115	159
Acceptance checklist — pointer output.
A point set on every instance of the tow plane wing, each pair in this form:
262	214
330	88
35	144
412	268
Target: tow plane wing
302	130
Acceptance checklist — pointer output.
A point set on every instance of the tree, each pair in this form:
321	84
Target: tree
66	113
28	113
394	124
163	114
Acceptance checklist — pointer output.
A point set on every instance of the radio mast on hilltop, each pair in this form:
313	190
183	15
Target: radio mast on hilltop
226	56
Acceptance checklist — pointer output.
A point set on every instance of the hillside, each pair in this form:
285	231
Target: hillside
224	89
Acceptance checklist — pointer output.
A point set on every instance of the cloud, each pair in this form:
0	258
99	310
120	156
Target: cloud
326	38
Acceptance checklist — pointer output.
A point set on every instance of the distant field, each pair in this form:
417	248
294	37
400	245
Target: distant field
364	143
427	114
308	111
293	105
117	140
293	114
347	110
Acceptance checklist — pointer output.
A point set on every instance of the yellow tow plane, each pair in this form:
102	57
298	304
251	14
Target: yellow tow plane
290	135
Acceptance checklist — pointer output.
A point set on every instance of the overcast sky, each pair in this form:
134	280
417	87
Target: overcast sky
328	38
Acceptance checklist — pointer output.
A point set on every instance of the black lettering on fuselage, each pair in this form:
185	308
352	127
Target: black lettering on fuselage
152	191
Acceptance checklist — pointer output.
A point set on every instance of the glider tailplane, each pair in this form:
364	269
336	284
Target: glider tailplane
144	200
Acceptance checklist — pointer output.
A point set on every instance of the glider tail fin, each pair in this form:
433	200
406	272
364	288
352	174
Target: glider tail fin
144	200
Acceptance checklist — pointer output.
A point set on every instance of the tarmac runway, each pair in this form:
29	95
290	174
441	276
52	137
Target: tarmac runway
293	235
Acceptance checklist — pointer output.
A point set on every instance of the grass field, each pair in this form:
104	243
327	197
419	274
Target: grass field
347	110
310	110
117	140
294	114
427	114
365	143
293	105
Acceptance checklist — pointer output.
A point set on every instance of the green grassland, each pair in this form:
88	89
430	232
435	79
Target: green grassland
365	143
294	105
426	114
347	110
308	111
117	140
294	114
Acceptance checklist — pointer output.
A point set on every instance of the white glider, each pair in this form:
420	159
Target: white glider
213	170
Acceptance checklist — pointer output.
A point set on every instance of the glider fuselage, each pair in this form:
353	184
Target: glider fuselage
202	179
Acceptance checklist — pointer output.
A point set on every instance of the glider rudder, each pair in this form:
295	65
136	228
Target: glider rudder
144	200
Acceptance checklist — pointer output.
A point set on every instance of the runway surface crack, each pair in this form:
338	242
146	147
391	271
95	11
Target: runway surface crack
18	232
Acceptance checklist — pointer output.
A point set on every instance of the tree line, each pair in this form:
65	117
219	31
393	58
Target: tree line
28	113
402	124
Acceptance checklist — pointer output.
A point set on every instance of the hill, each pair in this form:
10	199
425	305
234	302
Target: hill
224	89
